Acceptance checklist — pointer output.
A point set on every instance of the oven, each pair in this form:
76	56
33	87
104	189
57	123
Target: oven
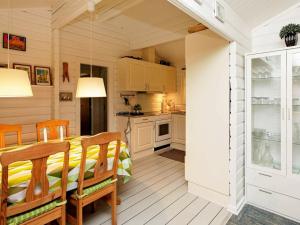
163	132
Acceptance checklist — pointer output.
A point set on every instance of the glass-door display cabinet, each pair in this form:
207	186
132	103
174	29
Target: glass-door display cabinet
273	131
293	112
266	106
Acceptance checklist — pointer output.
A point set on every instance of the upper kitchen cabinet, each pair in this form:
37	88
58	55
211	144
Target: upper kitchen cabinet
131	75
137	75
153	77
168	75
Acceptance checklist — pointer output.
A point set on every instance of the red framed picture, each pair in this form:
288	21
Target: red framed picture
15	42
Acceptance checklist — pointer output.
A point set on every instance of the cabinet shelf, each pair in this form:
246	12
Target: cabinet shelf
265	101
263	77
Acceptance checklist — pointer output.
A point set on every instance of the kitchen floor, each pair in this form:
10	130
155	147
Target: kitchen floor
157	194
251	215
174	154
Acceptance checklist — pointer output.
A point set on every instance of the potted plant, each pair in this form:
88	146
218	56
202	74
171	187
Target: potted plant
290	34
137	108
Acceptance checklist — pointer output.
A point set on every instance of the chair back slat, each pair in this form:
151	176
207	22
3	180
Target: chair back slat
101	170
37	192
52	126
8	128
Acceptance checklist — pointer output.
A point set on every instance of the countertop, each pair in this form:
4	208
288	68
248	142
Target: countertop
154	114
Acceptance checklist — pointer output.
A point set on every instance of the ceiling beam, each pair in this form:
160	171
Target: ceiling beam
68	11
196	28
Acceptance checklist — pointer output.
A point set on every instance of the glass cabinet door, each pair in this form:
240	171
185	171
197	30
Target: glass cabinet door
266	101
293	110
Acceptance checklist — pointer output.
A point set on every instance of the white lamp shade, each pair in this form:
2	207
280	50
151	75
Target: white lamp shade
90	87
14	83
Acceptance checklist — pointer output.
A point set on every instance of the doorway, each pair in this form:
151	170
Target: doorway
93	111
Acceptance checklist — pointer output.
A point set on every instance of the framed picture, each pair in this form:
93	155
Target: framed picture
42	75
3	65
219	11
25	67
15	42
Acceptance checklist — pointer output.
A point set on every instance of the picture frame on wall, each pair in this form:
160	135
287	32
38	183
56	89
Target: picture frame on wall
26	68
42	75
3	65
16	42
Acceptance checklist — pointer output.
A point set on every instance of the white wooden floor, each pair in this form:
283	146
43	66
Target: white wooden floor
157	194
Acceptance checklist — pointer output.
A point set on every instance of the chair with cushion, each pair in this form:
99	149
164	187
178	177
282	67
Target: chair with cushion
5	128
40	205
52	126
103	180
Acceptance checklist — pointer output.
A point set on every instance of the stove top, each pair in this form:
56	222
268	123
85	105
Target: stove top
130	113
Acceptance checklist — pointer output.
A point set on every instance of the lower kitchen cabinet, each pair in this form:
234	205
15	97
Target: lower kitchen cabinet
178	134
143	136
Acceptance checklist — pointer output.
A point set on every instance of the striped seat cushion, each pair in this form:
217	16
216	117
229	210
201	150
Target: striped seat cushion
15	220
94	188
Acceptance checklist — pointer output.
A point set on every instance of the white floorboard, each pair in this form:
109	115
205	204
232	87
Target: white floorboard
157	194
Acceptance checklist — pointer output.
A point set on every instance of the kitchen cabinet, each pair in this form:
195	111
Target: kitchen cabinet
131	75
143	136
153	77
137	75
178	134
169	83
273	130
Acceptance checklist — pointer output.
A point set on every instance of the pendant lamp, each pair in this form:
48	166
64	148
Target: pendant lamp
90	87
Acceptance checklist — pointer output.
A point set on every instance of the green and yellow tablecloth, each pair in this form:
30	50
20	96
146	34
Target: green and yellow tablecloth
20	172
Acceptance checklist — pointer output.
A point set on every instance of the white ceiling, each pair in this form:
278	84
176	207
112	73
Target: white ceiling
27	3
256	12
166	51
152	22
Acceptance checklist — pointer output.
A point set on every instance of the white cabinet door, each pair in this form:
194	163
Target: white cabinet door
266	111
178	129
137	76
154	81
144	136
293	112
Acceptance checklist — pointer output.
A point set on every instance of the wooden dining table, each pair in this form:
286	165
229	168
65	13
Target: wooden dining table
20	172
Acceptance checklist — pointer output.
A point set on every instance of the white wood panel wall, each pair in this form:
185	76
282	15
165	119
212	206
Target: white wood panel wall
108	45
237	127
35	25
266	36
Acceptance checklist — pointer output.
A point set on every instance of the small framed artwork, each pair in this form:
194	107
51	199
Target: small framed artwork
25	67
15	42
219	11
3	65
42	75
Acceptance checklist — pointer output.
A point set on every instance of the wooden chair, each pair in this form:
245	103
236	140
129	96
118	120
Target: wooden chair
5	128
103	181
38	197
52	125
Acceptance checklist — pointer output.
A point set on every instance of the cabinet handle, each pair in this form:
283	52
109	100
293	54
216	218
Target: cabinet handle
267	192
263	174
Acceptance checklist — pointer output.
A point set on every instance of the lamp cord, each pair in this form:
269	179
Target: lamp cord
8	33
91	43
